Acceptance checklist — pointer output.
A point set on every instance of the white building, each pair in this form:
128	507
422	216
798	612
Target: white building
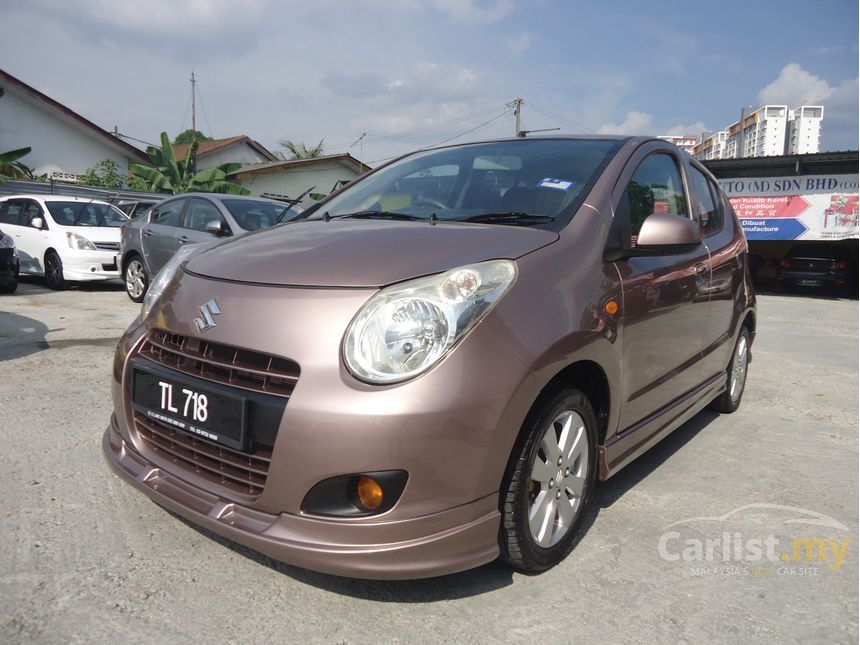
767	131
683	141
239	149
294	177
804	130
63	143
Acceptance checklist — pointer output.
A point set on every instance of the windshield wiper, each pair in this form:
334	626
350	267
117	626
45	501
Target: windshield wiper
377	215
514	218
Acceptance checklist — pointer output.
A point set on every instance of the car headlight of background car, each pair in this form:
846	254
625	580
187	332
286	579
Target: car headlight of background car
406	328
79	242
6	242
164	278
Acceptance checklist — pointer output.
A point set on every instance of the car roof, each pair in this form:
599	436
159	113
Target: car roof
57	198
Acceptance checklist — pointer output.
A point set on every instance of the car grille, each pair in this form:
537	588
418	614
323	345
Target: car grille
238	471
107	246
222	363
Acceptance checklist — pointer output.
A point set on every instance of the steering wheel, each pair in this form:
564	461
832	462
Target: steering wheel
430	201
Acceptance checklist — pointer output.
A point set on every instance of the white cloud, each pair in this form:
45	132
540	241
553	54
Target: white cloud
693	128
635	123
795	86
519	44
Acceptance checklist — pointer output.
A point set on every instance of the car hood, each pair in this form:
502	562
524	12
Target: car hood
361	253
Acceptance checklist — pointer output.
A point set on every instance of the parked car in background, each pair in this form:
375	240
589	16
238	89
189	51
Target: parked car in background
817	265
434	367
192	218
65	239
8	264
134	208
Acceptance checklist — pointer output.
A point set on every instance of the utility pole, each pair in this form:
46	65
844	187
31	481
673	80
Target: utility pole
193	108
518	108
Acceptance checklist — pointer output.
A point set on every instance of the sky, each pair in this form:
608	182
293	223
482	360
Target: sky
415	73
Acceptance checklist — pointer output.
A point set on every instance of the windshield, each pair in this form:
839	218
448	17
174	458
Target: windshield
86	214
530	182
252	215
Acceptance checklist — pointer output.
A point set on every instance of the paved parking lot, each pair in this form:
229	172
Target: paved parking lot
669	554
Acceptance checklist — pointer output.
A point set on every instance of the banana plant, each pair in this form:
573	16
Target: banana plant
171	176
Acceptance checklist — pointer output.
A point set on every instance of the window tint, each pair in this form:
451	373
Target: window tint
86	214
200	213
252	215
706	204
655	187
168	214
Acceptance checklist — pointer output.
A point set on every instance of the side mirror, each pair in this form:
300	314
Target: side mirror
668	233
38	222
216	227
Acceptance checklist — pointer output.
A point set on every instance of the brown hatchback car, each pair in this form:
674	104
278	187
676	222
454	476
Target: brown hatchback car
434	367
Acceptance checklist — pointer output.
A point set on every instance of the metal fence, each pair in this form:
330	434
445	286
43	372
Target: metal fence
50	187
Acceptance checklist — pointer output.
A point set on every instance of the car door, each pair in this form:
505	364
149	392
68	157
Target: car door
31	241
665	301
159	236
199	213
725	244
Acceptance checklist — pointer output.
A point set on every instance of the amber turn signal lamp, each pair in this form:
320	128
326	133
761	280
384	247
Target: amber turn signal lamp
611	307
369	493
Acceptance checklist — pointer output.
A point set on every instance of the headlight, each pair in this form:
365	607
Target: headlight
405	329
6	241
164	277
79	242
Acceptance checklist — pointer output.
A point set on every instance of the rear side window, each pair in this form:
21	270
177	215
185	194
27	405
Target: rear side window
168	214
655	187
9	212
706	203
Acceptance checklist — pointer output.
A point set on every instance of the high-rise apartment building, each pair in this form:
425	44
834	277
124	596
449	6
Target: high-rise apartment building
767	131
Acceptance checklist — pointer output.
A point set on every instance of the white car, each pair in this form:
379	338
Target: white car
64	238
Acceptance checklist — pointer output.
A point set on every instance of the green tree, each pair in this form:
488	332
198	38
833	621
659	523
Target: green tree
171	176
300	150
187	136
105	173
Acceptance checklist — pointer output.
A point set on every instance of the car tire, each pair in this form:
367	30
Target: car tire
54	272
736	376
541	516
136	278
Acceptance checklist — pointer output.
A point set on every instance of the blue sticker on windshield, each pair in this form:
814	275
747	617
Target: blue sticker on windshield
558	184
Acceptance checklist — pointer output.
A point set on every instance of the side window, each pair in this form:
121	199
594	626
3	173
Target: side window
705	203
200	213
655	187
9	212
168	214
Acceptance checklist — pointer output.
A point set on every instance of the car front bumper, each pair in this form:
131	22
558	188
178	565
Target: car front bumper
83	266
451	430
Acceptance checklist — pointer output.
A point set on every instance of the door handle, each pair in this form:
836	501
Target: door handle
183	239
147	232
701	268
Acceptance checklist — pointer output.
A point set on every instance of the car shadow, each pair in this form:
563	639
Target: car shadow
21	336
488	577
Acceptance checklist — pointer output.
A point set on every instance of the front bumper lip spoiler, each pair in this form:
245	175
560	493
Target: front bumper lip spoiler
454	540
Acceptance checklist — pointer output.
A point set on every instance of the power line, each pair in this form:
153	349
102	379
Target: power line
125	136
206	116
559	118
456	136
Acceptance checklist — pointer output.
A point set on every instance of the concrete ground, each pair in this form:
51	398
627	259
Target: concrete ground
691	543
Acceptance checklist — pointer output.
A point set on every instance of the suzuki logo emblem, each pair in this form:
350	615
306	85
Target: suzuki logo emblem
207	311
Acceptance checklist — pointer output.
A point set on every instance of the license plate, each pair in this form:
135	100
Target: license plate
200	411
809	283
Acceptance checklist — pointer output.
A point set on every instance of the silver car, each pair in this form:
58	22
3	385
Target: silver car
148	242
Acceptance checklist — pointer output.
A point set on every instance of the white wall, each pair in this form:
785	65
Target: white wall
58	142
295	181
239	152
